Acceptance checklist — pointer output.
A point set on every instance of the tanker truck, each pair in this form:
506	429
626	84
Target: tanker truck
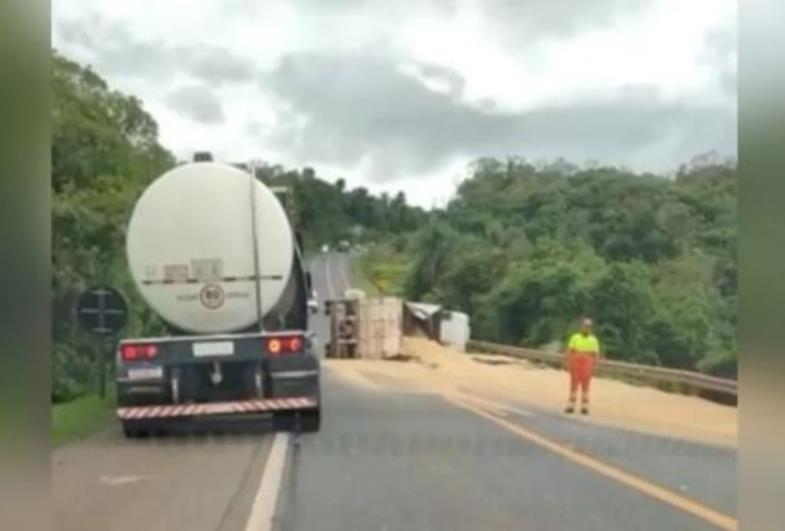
212	252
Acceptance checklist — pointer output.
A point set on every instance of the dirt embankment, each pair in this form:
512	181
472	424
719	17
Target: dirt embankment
425	366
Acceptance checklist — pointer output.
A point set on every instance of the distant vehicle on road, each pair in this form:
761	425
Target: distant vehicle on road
313	302
353	294
343	246
325	248
232	288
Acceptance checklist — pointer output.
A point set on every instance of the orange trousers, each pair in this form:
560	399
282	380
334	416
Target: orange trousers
581	368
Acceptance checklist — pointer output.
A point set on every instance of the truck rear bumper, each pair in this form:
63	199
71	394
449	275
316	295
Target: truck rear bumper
239	407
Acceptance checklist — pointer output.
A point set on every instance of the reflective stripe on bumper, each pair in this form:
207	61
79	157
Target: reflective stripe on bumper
215	408
293	374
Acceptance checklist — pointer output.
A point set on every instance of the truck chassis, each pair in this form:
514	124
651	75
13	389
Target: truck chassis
162	381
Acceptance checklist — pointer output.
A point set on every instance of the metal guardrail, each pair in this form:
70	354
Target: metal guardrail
651	373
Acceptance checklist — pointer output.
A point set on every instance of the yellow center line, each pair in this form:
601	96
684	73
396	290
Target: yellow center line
687	505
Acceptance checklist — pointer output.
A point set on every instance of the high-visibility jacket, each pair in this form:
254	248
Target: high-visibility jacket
584	344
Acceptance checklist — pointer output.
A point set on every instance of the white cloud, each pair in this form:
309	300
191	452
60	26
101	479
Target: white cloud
660	48
476	54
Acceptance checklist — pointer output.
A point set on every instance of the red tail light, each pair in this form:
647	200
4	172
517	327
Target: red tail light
274	345
139	352
295	344
281	345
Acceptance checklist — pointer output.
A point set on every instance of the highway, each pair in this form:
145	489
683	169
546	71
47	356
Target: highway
396	459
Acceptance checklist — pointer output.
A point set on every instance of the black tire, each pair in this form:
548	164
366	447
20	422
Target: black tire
283	421
310	420
132	430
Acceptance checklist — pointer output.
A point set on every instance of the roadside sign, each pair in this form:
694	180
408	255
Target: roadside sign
102	311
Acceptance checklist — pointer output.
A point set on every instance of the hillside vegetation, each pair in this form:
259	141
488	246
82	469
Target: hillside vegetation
525	250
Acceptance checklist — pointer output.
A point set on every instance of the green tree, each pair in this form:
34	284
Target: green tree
104	151
622	304
433	249
537	300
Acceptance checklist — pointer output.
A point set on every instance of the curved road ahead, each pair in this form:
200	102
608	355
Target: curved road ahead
394	459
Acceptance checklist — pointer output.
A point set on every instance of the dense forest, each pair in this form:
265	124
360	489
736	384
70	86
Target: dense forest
522	248
525	250
329	212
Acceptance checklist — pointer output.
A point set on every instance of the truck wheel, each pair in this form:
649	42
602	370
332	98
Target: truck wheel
310	421
132	430
283	421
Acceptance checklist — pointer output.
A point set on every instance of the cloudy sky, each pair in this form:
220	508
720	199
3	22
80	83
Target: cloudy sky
402	95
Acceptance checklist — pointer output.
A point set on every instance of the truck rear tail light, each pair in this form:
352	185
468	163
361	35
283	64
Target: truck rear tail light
282	345
274	346
138	352
295	344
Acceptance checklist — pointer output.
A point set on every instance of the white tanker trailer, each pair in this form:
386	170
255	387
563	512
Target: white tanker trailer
212	252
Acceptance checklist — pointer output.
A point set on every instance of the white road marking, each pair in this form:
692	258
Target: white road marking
344	278
263	510
504	409
329	277
115	481
519	411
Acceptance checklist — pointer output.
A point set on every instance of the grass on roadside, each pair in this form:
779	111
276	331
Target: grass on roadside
361	275
80	417
381	271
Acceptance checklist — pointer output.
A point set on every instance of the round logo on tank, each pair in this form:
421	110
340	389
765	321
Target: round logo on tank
212	296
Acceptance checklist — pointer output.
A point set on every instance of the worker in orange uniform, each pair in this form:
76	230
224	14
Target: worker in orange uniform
583	351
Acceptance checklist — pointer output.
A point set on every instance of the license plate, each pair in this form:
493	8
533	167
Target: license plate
146	373
213	348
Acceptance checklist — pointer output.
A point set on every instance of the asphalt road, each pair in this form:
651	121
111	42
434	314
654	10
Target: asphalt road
397	460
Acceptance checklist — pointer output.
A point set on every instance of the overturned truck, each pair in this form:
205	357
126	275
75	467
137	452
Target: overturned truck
364	327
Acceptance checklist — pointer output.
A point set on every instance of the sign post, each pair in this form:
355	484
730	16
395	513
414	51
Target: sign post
102	311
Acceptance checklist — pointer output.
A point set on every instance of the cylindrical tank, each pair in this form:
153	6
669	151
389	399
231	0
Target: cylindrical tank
190	248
